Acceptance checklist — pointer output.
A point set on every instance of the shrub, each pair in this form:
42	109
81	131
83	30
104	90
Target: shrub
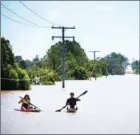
80	73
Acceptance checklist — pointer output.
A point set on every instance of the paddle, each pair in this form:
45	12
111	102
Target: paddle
31	104
77	97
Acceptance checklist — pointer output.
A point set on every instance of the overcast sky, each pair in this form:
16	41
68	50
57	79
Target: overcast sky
107	26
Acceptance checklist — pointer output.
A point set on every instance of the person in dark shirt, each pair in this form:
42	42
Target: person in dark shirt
71	102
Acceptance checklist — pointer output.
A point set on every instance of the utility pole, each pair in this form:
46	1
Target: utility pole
94	58
106	67
63	49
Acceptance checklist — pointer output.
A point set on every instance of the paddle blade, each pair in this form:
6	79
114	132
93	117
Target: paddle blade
58	111
61	109
83	93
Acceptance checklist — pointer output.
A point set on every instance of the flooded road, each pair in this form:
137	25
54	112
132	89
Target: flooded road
111	106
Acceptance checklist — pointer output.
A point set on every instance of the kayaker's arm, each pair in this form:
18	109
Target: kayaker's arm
20	101
78	99
23	100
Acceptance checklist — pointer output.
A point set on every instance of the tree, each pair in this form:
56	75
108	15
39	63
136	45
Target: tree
7	56
11	74
36	59
43	76
136	66
116	63
28	64
80	73
73	53
18	58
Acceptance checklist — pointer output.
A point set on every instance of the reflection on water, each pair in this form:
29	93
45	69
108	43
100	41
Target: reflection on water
110	106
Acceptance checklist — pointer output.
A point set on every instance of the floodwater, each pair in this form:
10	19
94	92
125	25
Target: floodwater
111	106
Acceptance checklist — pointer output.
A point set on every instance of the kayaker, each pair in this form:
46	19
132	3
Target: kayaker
71	102
25	102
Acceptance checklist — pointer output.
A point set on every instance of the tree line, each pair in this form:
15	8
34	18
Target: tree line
17	73
136	66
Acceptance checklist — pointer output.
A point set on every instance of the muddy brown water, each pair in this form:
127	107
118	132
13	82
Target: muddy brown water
110	106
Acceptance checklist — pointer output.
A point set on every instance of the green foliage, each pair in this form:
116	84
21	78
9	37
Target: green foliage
136	66
42	76
7	57
18	58
80	73
69	75
36	59
17	79
47	70
116	63
28	64
48	83
137	71
98	75
22	64
24	80
74	54
56	76
11	73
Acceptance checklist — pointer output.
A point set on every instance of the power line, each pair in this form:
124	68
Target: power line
48	21
30	79
17	21
22	17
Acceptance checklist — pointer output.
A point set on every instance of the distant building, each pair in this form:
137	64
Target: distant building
129	70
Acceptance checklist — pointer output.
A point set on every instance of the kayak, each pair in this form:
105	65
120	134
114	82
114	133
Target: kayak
28	110
70	110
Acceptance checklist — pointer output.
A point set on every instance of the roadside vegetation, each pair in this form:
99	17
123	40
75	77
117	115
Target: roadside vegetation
17	73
